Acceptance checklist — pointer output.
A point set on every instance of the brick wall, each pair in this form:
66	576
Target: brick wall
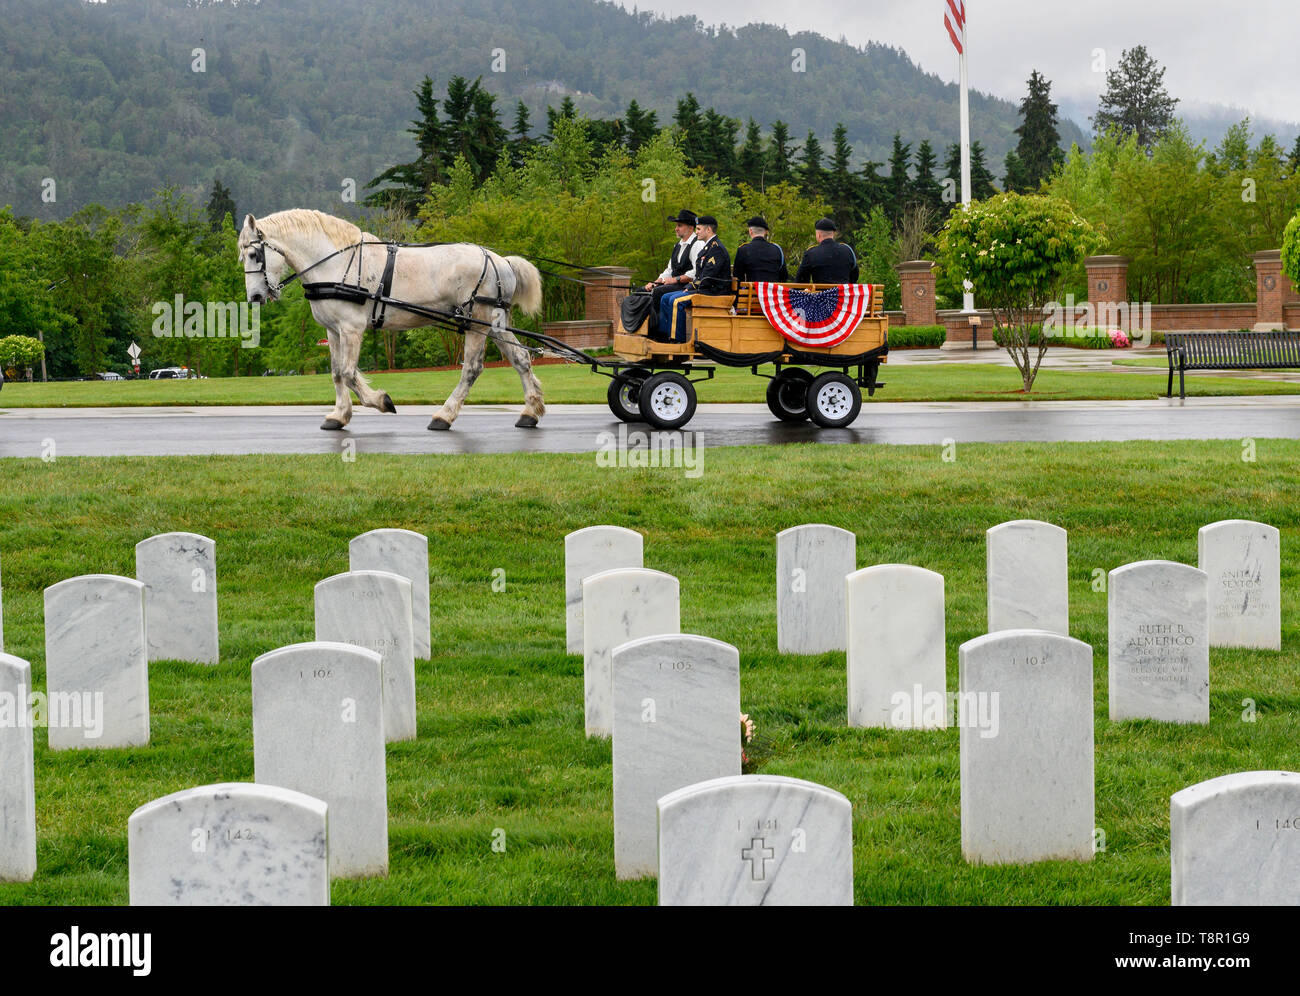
585	334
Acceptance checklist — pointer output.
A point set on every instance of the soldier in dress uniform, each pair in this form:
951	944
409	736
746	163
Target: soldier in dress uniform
712	276
827	262
681	265
759	259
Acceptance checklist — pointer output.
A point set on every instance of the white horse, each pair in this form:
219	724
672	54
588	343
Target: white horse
325	249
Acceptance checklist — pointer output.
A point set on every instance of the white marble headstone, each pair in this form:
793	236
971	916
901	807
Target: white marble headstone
406	554
1028	576
17	775
96	671
1159	642
896	657
372	609
676	722
318	729
590	551
755	840
811	564
234	844
1026	744
1243	560
179	573
618	606
1235	841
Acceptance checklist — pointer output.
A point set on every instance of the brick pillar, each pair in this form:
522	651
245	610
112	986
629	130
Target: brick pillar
917	282
1107	279
606	288
1273	289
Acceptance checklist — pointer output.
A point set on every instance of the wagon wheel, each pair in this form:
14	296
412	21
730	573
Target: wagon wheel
667	400
787	394
834	400
623	393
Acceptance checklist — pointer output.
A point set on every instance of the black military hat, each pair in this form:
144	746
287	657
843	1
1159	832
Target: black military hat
707	219
758	221
683	217
825	225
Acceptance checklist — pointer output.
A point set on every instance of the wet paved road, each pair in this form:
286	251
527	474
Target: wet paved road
587	428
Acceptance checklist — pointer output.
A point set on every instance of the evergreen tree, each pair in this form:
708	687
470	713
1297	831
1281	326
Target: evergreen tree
926	189
811	175
751	164
520	142
1135	100
641	126
841	184
780	169
1014	176
607	133
688	121
898	185
981	180
1039	151
873	189
1295	157
719	143
567	111
412	180
220	204
487	135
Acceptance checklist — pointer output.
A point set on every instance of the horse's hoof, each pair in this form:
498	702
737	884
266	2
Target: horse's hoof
439	425
386	405
526	422
331	424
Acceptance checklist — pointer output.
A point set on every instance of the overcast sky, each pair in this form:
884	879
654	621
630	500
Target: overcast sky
1240	54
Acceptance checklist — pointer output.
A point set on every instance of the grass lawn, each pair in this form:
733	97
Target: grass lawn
501	741
572	384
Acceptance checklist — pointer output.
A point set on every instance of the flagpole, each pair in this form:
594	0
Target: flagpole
968	298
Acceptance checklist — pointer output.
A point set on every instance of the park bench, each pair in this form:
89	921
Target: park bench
1229	351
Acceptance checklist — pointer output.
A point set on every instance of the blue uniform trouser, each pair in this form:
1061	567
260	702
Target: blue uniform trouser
668	304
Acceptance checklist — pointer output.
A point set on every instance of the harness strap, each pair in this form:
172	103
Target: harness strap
379	312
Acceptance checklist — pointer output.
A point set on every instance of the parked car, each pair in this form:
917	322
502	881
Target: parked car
109	375
172	373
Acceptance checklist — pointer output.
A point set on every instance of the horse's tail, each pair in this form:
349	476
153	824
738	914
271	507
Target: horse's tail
528	285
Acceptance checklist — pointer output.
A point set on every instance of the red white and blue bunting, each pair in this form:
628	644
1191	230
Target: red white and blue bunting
814	318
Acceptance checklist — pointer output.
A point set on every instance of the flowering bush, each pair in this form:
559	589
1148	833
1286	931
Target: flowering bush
1017	251
1119	340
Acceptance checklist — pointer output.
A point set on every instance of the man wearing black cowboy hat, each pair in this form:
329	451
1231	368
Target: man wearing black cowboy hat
759	259
827	262
712	276
681	265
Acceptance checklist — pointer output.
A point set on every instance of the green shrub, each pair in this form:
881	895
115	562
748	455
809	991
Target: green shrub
902	336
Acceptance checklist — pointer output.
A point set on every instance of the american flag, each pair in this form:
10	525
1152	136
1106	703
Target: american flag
814	318
954	19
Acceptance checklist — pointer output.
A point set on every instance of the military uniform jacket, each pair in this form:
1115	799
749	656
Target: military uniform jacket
713	269
828	262
759	259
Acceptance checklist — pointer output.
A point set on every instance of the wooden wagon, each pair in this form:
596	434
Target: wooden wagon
653	381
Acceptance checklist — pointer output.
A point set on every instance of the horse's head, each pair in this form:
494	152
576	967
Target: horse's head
263	263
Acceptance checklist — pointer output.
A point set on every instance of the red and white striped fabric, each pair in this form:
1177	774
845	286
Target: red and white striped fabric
956	23
814	318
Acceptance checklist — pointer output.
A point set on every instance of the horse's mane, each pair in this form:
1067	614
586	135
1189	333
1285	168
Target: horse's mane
341	233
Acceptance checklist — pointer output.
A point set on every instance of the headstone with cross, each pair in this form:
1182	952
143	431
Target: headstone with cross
755	840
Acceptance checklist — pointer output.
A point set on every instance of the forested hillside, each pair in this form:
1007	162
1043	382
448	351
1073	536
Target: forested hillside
286	100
